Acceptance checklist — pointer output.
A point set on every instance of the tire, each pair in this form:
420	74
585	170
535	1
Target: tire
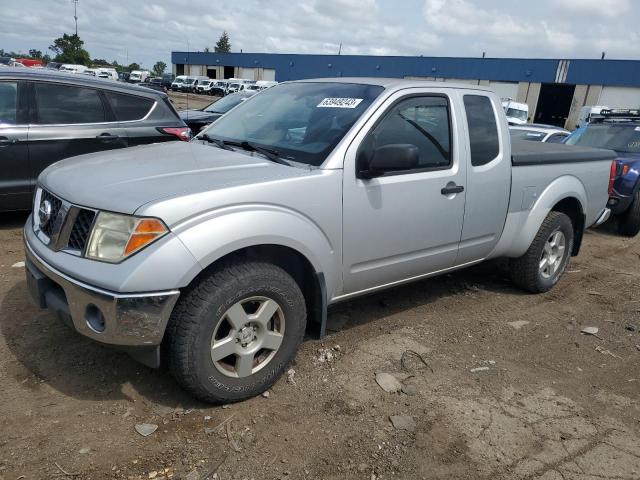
629	225
201	328
528	271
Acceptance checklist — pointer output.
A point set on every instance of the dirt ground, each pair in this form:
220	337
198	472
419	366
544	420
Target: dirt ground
184	101
511	389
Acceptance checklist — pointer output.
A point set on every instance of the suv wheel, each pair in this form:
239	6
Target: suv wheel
540	268
630	220
233	333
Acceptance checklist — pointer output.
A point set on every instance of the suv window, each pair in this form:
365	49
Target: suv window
557	138
8	103
483	130
420	121
129	107
65	104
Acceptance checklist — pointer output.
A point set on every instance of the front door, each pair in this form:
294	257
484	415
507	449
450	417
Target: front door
406	224
15	185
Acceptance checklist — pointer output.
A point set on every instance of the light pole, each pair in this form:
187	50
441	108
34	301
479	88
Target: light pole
75	14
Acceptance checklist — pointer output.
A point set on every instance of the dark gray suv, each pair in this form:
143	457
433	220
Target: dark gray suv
46	116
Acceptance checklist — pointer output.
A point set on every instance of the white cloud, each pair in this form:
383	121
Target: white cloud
149	31
608	8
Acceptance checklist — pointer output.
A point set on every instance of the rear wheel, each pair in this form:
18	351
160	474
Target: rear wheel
630	220
540	268
233	333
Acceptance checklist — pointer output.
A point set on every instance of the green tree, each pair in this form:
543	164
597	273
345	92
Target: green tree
100	62
68	49
159	68
132	67
223	45
35	54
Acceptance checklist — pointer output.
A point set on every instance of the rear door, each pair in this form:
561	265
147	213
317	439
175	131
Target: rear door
69	120
15	184
488	175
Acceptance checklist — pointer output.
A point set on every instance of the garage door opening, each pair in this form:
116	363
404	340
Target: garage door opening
554	103
228	72
211	73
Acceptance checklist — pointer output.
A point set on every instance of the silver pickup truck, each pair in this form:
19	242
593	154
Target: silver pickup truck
218	255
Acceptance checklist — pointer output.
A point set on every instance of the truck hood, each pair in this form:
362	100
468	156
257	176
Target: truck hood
124	180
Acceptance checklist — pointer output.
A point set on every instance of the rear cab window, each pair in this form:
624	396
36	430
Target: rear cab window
129	107
484	141
65	104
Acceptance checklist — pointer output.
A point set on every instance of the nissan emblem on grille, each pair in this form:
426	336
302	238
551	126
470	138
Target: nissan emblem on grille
44	213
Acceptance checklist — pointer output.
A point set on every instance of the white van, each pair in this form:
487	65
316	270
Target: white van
108	73
177	82
587	112
71	68
138	76
238	84
261	85
517	113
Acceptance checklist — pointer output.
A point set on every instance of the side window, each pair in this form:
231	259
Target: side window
129	107
8	103
64	104
483	130
420	121
556	138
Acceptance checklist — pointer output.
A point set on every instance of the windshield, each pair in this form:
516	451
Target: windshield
190	81
205	83
527	135
621	137
225	104
179	80
302	121
519	114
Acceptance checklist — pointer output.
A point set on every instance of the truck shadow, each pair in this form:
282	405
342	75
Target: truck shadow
48	351
13	220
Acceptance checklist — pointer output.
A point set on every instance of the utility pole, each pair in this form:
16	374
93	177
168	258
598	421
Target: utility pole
340	49
75	14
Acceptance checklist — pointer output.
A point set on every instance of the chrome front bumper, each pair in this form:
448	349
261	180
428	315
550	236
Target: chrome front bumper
121	319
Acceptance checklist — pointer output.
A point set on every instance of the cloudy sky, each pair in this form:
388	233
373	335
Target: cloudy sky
148	30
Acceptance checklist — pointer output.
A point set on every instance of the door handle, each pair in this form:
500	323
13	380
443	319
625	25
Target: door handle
452	189
107	137
5	142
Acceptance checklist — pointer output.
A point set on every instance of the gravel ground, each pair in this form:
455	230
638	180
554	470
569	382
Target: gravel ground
184	101
497	384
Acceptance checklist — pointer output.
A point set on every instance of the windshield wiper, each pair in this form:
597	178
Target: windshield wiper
219	143
270	153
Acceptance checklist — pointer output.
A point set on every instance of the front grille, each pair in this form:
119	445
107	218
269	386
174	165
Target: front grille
56	204
81	229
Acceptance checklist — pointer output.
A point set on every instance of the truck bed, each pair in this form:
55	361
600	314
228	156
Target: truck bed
526	152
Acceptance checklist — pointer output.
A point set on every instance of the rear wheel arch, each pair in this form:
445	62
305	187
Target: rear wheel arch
572	208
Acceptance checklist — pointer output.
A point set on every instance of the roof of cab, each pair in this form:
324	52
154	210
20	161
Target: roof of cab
399	83
44	74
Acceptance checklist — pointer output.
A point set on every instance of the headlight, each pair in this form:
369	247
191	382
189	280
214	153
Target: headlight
114	237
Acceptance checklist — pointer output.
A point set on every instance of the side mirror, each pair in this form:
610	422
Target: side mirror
391	158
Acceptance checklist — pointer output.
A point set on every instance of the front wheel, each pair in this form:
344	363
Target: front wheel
233	333
540	268
629	225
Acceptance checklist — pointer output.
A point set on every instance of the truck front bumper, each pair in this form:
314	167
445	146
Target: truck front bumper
119	319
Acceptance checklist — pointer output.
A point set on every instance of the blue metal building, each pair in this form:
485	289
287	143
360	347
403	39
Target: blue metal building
555	89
